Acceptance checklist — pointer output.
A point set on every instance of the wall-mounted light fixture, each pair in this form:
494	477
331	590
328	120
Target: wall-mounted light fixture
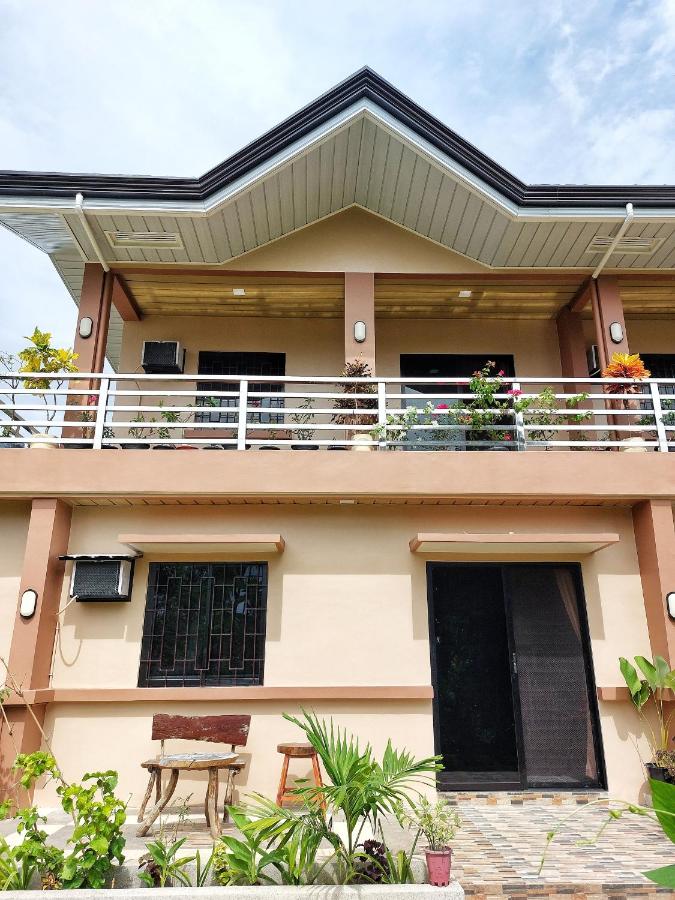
359	332
28	604
616	332
86	326
670	604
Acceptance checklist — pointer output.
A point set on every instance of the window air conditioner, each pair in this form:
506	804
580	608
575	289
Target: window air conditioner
99	577
163	358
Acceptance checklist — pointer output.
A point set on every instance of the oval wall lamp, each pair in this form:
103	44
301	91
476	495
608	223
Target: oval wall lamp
670	604
616	332
28	604
359	332
86	326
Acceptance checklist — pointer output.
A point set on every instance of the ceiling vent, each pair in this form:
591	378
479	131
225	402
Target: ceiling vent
156	240
625	245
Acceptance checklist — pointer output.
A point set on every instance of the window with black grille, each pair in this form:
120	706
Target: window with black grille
243	364
204	625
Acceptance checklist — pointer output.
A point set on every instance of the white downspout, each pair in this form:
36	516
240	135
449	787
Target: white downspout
79	206
630	215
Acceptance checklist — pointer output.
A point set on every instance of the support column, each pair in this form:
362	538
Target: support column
572	344
30	654
655	541
95	302
360	307
608	308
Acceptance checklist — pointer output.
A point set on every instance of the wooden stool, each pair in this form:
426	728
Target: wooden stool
297	751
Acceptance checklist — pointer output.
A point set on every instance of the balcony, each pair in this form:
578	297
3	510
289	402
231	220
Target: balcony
159	412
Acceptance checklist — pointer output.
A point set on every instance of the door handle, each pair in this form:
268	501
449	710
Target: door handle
514	663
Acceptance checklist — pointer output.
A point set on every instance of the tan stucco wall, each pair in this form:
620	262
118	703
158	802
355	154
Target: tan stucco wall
14	517
346	606
533	342
316	346
651	335
354	241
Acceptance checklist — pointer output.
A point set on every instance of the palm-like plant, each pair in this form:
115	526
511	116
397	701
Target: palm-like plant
361	791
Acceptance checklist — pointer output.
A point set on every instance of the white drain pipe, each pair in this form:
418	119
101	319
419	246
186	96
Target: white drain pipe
79	206
630	215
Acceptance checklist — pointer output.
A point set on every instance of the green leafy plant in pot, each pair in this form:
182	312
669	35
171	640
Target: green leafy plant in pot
648	695
438	822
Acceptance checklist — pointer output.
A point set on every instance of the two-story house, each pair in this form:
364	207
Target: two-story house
455	577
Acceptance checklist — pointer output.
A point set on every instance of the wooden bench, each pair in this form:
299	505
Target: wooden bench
232	730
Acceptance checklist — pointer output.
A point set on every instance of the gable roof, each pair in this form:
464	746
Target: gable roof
364	85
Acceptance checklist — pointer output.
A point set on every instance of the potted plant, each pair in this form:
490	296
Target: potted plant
41	358
539	411
352	403
399	425
487	419
648	694
303	419
627	365
438	822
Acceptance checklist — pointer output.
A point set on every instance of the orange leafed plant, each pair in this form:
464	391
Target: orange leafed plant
624	365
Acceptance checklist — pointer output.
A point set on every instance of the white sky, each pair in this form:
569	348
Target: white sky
554	90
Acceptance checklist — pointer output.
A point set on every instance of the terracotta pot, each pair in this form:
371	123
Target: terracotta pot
438	866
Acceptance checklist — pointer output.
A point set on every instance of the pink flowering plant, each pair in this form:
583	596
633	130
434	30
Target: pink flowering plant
487	418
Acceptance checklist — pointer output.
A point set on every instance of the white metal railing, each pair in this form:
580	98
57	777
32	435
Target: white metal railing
324	412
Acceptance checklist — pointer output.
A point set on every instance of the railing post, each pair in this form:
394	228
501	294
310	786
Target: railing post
521	438
661	433
382	413
101	410
243	406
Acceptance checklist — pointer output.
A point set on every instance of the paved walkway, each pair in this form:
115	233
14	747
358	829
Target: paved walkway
498	850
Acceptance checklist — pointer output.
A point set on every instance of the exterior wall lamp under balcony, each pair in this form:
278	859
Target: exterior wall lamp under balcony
616	332
359	332
670	604
28	604
86	326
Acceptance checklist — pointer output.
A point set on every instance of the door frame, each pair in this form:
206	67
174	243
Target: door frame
484	784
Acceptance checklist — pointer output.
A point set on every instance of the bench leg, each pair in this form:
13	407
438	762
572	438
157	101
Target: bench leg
146	797
229	794
159	806
317	779
212	804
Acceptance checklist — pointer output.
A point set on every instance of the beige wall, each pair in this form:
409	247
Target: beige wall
316	346
346	606
354	241
651	335
533	342
14	529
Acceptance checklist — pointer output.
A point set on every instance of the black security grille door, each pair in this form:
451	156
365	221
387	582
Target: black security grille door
204	624
474	713
513	688
558	735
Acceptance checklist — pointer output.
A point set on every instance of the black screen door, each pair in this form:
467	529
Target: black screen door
513	688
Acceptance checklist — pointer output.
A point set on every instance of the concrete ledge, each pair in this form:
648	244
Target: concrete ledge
272	892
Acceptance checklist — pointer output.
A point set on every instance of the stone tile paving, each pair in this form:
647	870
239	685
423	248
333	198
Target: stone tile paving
497	853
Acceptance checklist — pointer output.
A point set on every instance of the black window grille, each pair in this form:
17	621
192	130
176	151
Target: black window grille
253	365
204	625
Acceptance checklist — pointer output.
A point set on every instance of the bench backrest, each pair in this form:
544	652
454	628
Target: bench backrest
218	729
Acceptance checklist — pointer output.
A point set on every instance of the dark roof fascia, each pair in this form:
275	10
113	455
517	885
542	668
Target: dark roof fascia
364	84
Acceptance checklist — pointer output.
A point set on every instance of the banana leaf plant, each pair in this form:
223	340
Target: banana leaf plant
648	693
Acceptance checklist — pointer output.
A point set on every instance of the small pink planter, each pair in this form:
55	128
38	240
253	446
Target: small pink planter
438	866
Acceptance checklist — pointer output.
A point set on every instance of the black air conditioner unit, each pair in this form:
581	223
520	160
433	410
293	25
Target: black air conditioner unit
593	360
163	358
101	577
